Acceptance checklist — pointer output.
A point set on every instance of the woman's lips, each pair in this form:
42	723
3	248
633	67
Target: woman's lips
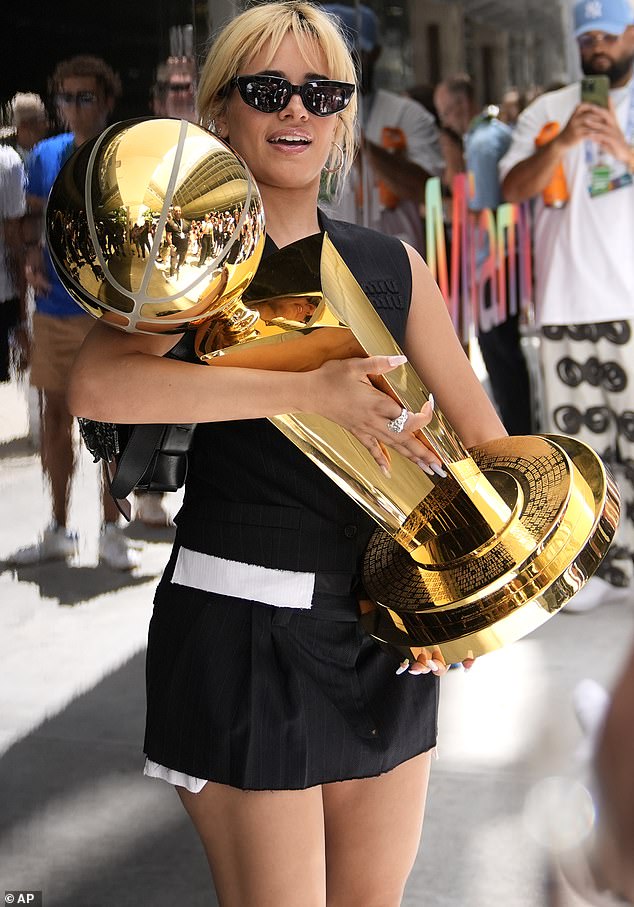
290	142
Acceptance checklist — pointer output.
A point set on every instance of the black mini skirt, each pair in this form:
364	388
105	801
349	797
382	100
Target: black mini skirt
261	697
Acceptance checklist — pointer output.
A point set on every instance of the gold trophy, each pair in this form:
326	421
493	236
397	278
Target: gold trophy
467	563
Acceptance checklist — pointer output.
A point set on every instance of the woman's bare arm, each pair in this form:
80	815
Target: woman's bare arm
120	377
433	349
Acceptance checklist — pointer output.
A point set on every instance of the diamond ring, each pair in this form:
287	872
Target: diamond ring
397	425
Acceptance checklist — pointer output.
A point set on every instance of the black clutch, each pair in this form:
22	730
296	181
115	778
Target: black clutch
139	457
142	457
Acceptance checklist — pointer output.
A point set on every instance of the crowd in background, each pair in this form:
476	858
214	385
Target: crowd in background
426	131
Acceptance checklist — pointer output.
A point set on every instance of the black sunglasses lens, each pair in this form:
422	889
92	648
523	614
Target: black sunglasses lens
323	99
265	94
269	94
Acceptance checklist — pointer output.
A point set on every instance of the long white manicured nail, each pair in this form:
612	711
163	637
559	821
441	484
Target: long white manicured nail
404	665
425	467
422	669
431	401
433	665
397	360
439	470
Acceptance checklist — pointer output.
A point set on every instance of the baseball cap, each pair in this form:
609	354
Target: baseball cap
26	105
611	16
360	24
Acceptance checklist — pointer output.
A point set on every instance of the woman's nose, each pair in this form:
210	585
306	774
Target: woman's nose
295	107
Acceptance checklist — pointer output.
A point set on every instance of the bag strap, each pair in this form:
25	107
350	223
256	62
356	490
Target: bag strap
135	458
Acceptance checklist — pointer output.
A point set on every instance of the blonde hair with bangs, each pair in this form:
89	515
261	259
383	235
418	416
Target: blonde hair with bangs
245	36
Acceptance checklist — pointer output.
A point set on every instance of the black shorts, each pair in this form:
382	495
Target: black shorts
269	698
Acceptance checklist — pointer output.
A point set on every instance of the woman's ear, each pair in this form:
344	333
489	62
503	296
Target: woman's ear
220	126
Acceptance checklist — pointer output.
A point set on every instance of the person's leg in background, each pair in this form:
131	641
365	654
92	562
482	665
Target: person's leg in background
115	548
150	509
9	319
56	341
182	254
506	366
589	396
505	363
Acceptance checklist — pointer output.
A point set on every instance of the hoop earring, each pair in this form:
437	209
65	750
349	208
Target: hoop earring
339	162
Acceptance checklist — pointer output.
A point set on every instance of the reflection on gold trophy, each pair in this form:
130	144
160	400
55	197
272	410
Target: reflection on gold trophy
468	562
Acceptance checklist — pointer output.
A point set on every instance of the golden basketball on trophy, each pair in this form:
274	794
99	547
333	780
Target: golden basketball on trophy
166	174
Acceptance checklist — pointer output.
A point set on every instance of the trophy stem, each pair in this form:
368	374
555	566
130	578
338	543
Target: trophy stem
233	325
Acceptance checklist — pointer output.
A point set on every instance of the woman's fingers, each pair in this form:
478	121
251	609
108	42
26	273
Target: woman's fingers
428	662
346	394
379	365
378	451
409	442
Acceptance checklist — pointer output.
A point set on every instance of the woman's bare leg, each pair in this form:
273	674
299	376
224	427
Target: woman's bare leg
265	848
373	828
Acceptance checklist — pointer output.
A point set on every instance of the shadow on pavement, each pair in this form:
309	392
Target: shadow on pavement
74	585
80	822
144	532
17	447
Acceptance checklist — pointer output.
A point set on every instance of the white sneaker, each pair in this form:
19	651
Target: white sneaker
116	550
151	510
56	544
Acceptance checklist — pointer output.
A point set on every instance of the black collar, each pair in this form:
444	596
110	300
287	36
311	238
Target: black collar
324	227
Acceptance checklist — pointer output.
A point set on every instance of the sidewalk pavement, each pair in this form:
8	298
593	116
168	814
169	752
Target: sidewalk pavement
79	821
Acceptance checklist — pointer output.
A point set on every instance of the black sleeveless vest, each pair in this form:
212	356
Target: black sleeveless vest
251	495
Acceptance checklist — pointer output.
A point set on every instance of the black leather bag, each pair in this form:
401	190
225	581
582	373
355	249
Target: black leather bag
153	458
139	457
142	457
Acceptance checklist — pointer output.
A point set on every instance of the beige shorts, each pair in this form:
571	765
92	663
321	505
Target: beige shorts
56	342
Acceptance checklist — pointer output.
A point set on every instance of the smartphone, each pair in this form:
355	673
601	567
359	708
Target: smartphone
595	90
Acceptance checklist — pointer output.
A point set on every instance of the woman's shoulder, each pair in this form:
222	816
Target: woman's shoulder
355	233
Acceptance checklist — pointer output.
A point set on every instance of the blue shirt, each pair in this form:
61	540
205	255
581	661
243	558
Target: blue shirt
486	143
46	161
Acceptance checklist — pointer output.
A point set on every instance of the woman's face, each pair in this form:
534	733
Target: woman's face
291	308
286	149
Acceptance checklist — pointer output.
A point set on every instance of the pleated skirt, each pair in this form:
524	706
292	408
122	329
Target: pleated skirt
268	698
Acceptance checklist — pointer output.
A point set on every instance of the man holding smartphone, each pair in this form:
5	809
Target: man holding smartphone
584	237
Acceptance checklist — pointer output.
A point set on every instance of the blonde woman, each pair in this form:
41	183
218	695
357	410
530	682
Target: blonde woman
300	754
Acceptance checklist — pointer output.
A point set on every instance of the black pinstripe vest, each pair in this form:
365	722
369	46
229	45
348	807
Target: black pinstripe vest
250	494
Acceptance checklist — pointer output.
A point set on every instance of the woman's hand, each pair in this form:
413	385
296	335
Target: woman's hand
342	391
430	660
427	660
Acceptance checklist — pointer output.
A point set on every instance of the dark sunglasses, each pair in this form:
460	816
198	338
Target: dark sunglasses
268	94
588	41
83	98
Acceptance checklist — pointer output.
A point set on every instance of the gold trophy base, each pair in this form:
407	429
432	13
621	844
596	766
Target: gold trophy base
467	601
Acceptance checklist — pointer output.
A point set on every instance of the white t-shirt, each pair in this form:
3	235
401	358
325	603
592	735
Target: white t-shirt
584	261
12	206
422	147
